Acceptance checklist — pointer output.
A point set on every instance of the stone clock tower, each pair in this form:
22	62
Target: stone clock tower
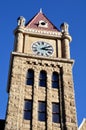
40	84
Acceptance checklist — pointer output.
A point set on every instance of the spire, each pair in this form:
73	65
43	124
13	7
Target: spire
41	10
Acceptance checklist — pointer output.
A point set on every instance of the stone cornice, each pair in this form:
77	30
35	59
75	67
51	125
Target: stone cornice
53	59
39	32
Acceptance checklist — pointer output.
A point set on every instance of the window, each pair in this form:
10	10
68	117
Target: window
27	109
42	79
41	111
55	113
55	80
42	23
30	77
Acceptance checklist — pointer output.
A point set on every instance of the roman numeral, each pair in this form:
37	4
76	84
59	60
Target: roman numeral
47	54
42	43
38	43
50	52
34	48
38	53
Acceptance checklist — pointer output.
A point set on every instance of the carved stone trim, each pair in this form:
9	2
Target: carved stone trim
33	31
52	59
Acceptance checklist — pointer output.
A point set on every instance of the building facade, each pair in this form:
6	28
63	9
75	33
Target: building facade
40	83
82	125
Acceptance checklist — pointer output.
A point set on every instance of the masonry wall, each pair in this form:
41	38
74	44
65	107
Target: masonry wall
19	91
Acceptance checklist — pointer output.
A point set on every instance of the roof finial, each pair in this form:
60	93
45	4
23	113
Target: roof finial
40	10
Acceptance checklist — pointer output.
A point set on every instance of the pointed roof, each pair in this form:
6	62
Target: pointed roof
40	21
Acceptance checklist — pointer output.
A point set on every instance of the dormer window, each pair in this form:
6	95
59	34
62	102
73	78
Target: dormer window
42	23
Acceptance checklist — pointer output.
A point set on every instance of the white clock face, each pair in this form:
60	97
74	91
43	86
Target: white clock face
42	48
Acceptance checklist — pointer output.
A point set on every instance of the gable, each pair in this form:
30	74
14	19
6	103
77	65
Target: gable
40	21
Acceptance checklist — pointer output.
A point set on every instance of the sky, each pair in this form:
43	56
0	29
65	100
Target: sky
58	11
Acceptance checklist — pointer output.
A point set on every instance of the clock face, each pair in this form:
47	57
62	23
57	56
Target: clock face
42	48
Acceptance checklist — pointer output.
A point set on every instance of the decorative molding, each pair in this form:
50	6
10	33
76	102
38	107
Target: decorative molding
52	59
38	31
54	33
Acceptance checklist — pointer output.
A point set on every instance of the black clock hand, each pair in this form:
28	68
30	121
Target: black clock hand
46	48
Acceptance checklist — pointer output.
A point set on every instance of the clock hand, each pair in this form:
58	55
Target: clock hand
46	48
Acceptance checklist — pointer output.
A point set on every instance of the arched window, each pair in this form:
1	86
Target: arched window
55	80
30	77
42	78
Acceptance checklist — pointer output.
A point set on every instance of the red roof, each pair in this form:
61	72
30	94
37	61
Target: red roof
34	22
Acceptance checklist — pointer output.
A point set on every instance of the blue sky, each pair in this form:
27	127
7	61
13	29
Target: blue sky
58	11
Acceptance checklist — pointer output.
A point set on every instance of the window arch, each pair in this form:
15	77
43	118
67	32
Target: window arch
55	80
42	78
30	77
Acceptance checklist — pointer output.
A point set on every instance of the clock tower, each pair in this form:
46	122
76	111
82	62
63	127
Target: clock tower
40	83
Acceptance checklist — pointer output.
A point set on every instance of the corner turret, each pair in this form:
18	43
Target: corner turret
66	39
